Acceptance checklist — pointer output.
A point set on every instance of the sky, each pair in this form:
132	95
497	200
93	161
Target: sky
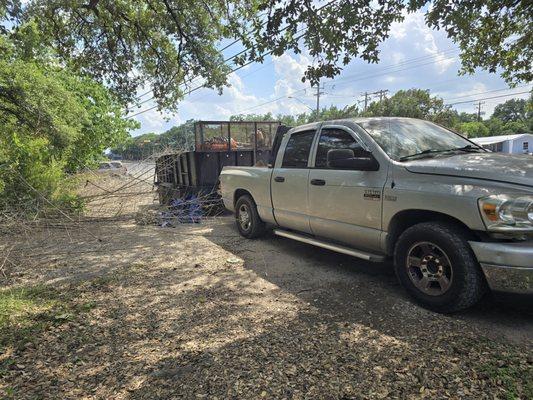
414	56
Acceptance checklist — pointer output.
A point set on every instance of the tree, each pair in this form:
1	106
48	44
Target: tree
333	112
326	114
253	117
514	127
9	9
177	138
414	103
473	129
494	125
512	110
52	122
491	34
467	117
168	43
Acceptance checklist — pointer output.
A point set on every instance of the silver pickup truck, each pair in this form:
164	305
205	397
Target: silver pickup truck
456	219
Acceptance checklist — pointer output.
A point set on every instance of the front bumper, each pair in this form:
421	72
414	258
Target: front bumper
507	267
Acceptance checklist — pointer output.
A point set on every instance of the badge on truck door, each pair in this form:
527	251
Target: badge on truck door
372	194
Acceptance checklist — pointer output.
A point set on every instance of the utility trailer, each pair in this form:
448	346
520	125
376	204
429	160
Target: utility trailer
217	144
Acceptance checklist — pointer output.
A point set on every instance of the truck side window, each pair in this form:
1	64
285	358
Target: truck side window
333	139
297	150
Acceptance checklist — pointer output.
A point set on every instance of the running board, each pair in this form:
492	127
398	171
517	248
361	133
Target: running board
330	246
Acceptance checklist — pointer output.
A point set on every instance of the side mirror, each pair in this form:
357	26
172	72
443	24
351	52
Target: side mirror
345	159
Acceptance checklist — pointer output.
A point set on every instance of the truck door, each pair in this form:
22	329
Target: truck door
344	205
289	184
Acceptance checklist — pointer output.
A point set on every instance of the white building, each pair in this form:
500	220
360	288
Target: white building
517	144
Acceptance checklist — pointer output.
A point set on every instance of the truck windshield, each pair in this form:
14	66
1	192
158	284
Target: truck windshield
404	139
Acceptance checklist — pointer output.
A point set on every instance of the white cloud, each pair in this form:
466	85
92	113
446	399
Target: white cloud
399	29
442	61
289	72
397	57
476	87
151	121
414	29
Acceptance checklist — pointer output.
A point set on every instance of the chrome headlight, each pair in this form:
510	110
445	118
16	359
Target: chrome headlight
505	212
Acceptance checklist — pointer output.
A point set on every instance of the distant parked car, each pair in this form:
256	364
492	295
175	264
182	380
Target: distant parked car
112	166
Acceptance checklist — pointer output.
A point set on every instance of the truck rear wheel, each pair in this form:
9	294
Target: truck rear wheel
248	222
437	267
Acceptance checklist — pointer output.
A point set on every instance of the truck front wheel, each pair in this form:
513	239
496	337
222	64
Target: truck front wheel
248	222
436	265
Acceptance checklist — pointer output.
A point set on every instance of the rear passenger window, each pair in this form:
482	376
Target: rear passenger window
297	150
333	139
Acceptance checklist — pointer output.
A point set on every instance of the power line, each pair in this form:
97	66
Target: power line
440	83
233	70
199	87
280	98
268	102
489	91
380	93
218	51
269	52
488	98
435	57
361	77
388	72
385	69
236	55
392	66
453	98
283	97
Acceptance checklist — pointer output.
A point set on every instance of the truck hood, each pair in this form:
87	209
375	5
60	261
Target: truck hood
509	168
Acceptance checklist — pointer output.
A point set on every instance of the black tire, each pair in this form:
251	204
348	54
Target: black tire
435	264
255	227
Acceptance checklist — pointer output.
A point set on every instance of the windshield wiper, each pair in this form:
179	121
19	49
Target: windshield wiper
468	149
422	153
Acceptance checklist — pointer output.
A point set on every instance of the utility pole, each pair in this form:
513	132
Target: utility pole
381	93
479	103
318	93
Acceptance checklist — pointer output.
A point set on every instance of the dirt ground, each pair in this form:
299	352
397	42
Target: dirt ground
123	311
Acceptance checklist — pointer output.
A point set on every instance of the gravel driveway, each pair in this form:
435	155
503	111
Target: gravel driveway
141	312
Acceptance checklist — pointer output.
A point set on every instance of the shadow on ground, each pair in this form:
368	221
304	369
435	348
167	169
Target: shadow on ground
343	285
175	317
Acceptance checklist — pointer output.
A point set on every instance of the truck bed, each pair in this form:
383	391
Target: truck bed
256	180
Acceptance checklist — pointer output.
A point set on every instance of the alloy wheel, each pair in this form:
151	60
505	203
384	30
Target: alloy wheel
429	268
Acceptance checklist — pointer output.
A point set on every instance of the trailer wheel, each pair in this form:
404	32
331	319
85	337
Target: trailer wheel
248	222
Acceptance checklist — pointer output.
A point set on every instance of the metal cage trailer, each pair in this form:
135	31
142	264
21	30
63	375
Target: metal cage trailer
194	174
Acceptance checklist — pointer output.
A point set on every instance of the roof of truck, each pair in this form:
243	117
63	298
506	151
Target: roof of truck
314	125
366	119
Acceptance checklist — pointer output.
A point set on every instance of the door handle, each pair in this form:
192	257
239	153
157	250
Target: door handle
318	182
279	179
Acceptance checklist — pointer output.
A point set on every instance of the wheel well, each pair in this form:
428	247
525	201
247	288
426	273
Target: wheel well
239	193
408	218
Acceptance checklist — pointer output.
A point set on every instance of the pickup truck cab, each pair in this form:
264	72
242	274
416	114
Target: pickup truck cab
456	219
